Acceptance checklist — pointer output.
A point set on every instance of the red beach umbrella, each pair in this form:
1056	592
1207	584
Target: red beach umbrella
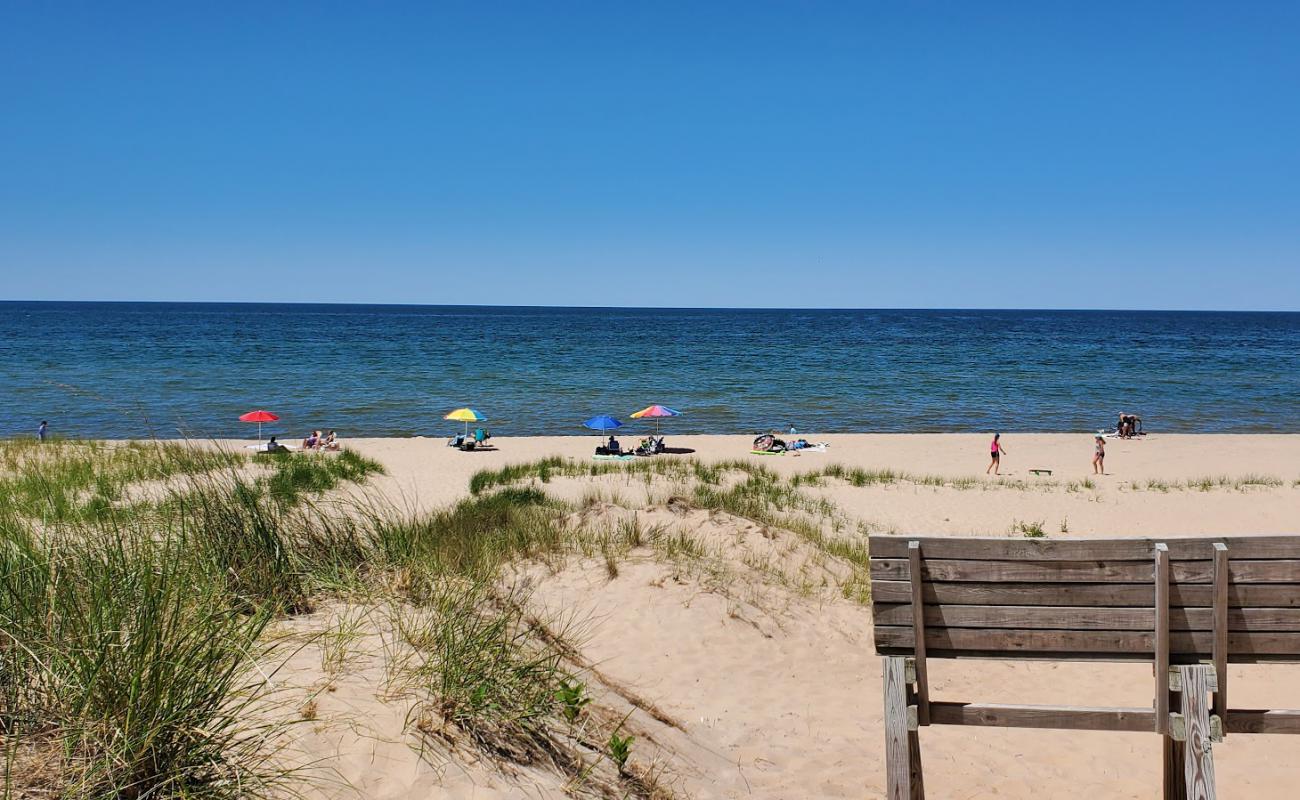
259	416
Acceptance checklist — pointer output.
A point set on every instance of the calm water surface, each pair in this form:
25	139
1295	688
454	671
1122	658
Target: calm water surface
135	369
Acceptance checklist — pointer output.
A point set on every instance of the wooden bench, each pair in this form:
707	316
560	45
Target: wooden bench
1188	606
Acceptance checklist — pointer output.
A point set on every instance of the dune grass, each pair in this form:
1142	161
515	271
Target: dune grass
133	635
62	480
126	665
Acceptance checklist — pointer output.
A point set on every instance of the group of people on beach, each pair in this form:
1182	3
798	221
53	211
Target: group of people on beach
649	446
316	441
996	451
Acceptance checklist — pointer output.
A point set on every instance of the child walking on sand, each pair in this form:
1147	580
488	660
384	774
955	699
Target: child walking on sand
995	454
1099	457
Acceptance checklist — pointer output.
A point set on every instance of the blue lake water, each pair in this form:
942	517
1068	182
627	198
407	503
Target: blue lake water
138	369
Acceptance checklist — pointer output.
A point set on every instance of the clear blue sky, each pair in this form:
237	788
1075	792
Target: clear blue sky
684	154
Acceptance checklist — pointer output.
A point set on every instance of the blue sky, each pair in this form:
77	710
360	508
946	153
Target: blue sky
677	154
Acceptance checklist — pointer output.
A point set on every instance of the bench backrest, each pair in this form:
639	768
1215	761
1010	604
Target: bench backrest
1089	599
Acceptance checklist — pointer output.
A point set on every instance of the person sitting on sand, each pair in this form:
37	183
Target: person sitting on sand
1099	456
612	445
312	441
331	441
996	451
272	446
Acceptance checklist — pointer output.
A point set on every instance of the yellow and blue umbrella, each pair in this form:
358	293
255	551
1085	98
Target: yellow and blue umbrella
466	415
655	412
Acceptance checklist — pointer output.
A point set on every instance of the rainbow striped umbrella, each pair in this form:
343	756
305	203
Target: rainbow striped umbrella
655	412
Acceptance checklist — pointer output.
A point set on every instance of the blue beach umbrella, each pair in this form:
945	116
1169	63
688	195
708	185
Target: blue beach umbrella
604	422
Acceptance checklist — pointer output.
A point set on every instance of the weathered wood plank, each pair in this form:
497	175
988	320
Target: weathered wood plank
1127	549
1086	618
918	629
897	751
999	715
1081	718
940	569
1162	644
884	546
1247	720
1198	763
996	642
1222	623
915	772
1257	595
1239	571
1175	756
896	569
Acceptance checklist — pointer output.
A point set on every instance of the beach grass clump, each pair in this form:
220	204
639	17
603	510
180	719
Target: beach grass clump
1253	480
131	633
477	664
125	668
475	538
67	479
296	474
248	538
1030	530
510	474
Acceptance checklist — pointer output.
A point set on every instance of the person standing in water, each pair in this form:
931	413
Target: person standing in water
1099	456
42	430
995	455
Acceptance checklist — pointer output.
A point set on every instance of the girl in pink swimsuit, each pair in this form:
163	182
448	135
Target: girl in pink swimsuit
995	454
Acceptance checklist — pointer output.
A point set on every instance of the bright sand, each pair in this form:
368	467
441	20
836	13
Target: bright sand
778	695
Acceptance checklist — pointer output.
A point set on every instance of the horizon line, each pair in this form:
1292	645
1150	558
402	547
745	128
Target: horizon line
579	307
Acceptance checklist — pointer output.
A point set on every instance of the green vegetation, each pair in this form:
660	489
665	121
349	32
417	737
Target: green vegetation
133	632
573	699
131	627
67	480
124	670
1030	530
620	749
297	474
716	474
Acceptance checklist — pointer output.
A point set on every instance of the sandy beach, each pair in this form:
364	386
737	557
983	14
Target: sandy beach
760	689
426	473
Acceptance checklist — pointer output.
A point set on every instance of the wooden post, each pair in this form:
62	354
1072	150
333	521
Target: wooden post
914	765
1221	634
918	629
1174	780
903	779
1198	764
1162	638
